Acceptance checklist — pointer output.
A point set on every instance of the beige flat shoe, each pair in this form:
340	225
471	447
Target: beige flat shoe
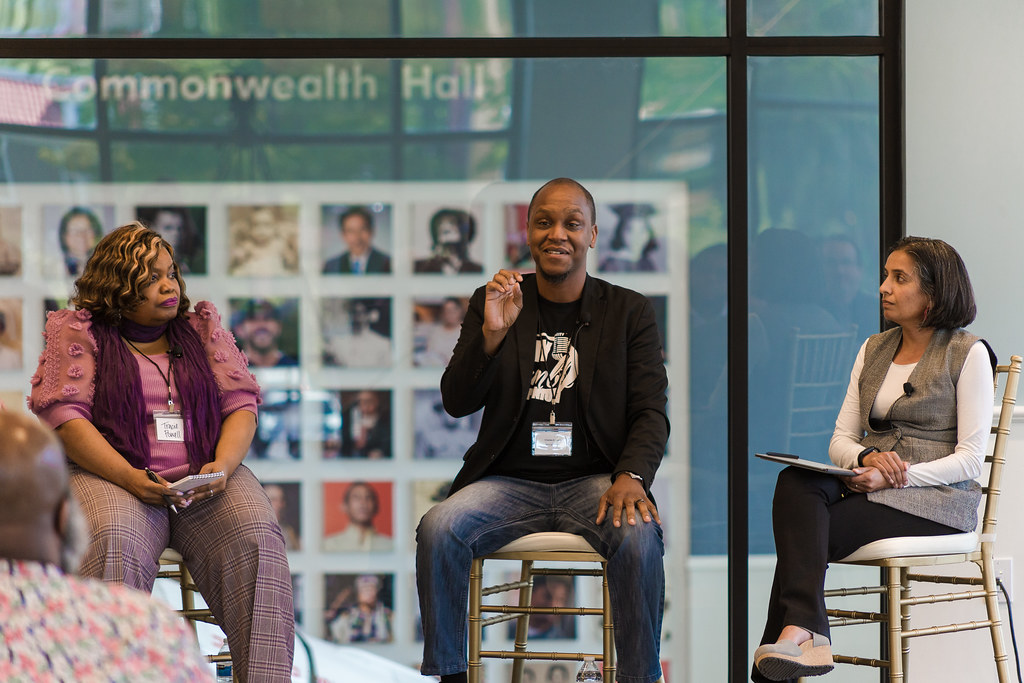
785	660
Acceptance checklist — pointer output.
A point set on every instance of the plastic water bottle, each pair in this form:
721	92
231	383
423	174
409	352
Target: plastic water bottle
224	668
589	672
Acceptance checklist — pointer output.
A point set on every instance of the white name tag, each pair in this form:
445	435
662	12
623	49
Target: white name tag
552	439
169	426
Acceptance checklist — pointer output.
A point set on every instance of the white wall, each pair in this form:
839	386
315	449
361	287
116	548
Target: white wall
965	184
965	147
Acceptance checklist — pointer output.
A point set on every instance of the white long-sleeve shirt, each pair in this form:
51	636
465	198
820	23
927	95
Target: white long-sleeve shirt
974	397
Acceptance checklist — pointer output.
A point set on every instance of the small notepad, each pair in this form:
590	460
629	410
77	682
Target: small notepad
193	481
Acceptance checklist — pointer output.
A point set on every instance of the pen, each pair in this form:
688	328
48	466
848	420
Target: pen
167	499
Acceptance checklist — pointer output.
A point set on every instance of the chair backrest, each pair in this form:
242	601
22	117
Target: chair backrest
1001	430
820	372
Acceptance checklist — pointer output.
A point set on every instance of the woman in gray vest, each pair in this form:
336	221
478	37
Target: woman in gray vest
914	426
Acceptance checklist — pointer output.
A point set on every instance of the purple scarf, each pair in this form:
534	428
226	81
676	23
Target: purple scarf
119	410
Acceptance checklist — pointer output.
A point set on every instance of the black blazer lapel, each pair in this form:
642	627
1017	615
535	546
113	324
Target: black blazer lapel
589	338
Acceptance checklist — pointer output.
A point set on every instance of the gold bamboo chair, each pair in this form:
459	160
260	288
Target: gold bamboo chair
172	566
540	547
896	557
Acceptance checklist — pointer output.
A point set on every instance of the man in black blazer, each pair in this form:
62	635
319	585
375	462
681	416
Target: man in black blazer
362	257
569	372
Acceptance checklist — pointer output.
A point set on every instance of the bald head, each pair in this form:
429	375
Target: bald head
33	488
571	183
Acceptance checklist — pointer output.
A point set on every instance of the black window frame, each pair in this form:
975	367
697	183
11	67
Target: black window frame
737	47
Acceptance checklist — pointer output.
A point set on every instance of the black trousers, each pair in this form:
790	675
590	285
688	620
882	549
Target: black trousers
817	520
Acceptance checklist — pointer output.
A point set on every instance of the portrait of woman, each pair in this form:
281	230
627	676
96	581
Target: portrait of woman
78	232
143	390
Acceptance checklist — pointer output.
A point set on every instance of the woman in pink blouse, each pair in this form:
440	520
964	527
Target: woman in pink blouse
143	392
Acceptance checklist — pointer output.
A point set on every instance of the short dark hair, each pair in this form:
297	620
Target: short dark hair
944	280
362	484
360	211
463	219
566	181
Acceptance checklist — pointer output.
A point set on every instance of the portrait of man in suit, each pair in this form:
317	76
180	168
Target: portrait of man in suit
361	257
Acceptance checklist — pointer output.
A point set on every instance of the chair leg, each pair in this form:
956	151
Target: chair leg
988	577
523	622
188	597
894	617
905	620
608	627
476	573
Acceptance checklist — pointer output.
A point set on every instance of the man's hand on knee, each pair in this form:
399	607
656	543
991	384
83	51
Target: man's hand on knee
626	494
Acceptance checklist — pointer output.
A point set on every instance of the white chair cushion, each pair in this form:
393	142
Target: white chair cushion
915	546
548	541
170	556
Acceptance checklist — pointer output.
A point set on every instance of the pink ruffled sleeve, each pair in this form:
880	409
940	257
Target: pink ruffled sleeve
63	384
237	386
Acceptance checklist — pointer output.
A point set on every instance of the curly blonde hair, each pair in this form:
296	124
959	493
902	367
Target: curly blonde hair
118	270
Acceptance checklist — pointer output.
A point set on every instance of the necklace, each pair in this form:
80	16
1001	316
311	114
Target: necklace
166	378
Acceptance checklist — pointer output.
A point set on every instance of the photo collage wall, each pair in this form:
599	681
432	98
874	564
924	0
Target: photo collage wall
347	300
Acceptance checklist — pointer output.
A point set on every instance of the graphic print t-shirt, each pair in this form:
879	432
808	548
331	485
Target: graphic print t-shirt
553	383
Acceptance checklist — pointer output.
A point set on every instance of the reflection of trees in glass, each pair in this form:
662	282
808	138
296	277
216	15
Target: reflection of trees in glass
682	136
54	78
675	87
692	17
817	18
477	18
455	160
814	143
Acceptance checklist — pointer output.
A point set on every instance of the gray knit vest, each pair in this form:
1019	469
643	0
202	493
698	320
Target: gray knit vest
922	426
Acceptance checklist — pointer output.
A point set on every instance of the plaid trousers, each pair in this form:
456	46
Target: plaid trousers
232	545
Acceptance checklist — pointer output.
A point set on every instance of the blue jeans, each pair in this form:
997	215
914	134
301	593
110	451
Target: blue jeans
494	511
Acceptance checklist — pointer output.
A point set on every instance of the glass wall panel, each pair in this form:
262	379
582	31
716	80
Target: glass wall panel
361	18
817	18
211	150
813	262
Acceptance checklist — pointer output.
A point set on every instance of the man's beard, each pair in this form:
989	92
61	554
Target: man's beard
75	539
553	279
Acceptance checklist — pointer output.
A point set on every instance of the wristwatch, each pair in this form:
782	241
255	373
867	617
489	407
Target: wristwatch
632	475
864	453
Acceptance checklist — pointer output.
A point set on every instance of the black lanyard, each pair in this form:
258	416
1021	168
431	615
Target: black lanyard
166	378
